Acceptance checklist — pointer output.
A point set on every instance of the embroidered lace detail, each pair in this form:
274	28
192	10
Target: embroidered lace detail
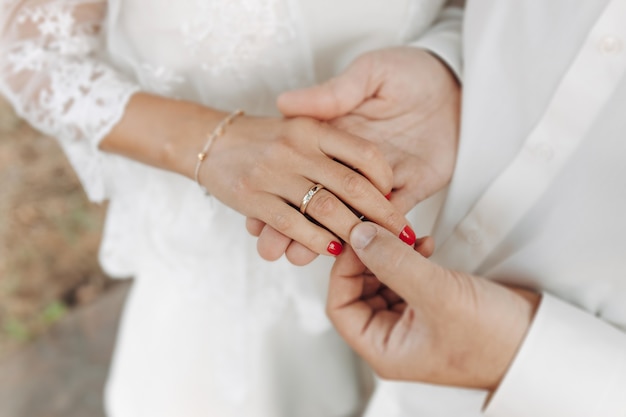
51	73
260	25
160	79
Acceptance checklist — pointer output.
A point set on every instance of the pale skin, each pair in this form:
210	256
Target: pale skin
406	101
414	320
262	167
409	318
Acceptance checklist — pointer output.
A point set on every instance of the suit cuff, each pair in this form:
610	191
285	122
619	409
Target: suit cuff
571	363
444	40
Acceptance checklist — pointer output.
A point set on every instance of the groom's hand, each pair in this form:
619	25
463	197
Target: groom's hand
403	99
414	320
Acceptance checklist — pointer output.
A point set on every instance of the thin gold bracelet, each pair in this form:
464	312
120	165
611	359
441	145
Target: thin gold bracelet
216	133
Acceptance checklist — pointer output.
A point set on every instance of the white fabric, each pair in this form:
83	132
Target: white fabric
580	362
210	328
51	73
538	200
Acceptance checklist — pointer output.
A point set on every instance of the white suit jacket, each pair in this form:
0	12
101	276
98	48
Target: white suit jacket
538	199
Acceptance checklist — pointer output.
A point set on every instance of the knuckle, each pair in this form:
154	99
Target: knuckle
282	222
277	148
242	186
397	258
297	259
370	152
393	219
323	204
355	185
298	125
289	127
267	251
315	240
259	169
277	156
292	142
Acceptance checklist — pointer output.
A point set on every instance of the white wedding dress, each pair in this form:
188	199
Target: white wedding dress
209	329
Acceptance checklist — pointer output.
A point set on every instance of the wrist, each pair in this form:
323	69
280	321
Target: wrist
519	313
162	132
215	134
186	139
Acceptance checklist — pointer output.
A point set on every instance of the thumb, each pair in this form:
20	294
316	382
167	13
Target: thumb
394	263
334	98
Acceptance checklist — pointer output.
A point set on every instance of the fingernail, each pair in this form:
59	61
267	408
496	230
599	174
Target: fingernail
335	248
388	196
361	235
407	235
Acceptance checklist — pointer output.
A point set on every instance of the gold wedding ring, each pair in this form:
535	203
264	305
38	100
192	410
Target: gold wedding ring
308	196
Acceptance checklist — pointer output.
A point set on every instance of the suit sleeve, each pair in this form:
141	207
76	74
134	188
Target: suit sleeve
444	38
571	364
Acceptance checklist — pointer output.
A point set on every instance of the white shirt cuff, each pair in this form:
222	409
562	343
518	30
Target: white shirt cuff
444	40
570	364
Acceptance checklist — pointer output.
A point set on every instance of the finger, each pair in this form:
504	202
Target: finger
345	308
390	296
403	199
371	285
346	280
425	246
332	99
376	303
323	206
254	226
409	173
364	190
354	187
399	308
356	125
331	212
271	244
357	153
286	220
367	331
400	267
337	148
363	324
299	254
413	176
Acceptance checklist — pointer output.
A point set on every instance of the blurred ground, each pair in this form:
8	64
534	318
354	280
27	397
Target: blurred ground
58	311
62	373
49	235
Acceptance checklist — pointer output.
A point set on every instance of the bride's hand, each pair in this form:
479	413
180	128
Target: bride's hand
403	99
264	167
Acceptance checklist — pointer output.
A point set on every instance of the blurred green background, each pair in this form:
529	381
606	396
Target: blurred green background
49	235
58	311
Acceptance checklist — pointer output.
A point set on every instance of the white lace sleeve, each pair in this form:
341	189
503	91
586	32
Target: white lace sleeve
51	72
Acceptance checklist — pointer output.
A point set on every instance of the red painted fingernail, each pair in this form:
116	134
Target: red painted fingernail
334	248
388	196
407	235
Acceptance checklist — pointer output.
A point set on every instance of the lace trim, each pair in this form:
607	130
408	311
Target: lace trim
51	75
261	25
